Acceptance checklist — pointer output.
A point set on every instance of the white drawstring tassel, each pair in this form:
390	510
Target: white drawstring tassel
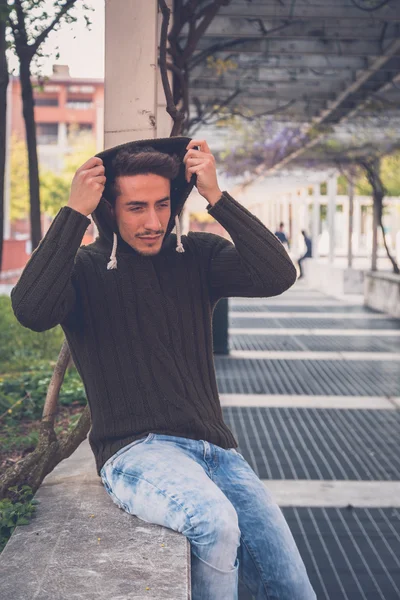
113	258
179	246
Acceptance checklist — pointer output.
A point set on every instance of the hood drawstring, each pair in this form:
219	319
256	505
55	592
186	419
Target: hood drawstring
113	258
179	247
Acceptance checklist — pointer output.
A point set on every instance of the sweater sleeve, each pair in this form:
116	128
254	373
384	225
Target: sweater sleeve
45	293
256	265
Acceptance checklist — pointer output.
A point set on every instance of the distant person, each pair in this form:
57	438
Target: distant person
308	253
281	235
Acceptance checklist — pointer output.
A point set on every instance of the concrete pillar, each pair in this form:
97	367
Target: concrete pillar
332	193
290	224
350	188
264	214
132	95
273	223
374	256
315	219
303	210
296	226
285	212
356	226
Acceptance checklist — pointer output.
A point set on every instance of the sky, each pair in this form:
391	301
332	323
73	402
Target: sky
81	49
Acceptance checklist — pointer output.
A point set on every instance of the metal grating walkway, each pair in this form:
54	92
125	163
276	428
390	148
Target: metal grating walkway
261	307
319	444
309	377
349	554
345	343
353	553
313	323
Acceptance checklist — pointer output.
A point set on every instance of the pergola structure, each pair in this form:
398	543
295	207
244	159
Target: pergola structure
311	61
317	64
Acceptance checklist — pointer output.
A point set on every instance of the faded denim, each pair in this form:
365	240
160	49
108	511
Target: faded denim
214	498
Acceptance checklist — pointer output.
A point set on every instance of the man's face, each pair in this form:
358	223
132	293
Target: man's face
142	211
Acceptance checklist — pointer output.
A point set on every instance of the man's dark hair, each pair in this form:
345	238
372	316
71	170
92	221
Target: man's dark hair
281	224
142	161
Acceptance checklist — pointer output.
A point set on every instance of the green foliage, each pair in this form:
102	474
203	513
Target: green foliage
12	439
27	360
22	395
18	511
54	187
19	179
390	175
19	346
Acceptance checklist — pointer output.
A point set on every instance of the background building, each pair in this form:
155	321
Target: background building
63	105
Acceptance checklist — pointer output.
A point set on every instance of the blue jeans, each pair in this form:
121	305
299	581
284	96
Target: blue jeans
214	498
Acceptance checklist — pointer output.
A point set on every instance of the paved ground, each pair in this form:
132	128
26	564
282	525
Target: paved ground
312	391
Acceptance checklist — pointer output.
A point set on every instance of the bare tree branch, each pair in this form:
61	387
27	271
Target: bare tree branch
176	115
43	35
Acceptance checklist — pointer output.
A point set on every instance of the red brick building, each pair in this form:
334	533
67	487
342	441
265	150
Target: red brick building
63	106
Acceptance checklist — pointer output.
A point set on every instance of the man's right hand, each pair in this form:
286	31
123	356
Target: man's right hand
87	186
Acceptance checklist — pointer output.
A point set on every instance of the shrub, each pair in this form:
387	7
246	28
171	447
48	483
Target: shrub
22	395
16	512
20	346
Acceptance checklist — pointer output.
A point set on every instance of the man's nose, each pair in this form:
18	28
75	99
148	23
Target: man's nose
152	221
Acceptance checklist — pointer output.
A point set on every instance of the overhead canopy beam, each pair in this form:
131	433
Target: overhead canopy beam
263	60
280	89
331	29
286	92
315	11
272	47
343	105
366	82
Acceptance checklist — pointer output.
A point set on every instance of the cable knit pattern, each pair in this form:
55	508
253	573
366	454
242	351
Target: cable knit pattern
141	335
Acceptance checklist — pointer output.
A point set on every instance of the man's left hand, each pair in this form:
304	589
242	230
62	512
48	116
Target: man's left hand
202	162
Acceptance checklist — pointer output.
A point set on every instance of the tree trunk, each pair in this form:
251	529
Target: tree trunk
372	170
390	257
375	221
33	468
3	119
30	130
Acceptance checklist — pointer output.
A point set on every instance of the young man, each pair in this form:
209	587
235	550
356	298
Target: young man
281	235
136	308
308	253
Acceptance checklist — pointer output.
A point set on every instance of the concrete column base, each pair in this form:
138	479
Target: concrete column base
382	292
330	279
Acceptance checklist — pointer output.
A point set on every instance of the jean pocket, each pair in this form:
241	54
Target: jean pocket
144	440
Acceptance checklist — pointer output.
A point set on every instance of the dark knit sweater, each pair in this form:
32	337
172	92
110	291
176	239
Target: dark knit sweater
141	335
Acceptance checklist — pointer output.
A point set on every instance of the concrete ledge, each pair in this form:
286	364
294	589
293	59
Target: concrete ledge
322	276
81	545
382	292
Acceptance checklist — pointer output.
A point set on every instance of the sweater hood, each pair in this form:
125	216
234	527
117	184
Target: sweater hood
180	189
